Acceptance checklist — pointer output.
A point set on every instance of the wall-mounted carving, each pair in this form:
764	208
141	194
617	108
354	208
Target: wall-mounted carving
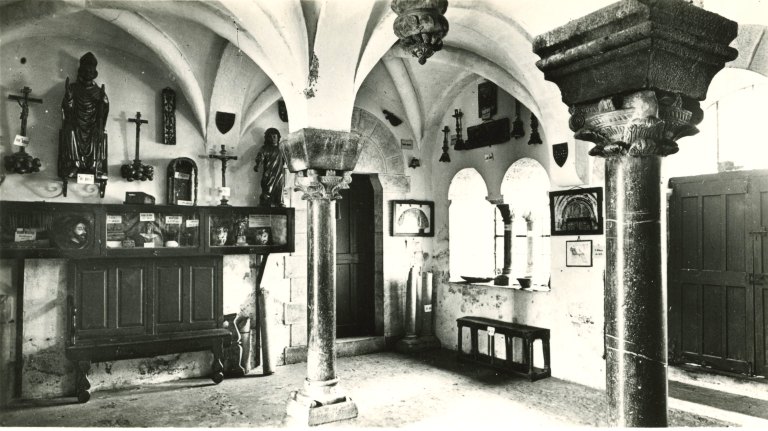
169	116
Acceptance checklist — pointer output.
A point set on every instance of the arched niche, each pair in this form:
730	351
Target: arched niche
470	226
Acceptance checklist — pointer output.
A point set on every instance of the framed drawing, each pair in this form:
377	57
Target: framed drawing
412	218
486	100
182	182
576	212
578	253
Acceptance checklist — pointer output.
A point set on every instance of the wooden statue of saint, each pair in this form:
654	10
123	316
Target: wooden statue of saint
273	176
82	140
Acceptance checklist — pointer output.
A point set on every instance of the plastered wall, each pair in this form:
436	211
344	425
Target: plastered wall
572	309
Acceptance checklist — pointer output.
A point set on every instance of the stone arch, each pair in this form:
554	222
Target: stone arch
381	152
752	45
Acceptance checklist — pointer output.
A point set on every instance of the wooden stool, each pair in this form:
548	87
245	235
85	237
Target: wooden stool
528	334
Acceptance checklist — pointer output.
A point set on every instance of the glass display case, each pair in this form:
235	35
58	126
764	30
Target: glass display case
40	229
132	227
250	230
36	229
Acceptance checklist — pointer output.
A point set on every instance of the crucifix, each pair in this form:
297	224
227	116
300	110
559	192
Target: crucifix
21	162
137	170
224	159
457	114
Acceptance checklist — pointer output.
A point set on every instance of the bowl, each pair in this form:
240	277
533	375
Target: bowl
525	283
469	279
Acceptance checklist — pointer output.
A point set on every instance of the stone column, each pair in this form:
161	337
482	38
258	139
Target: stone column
322	160
506	216
633	74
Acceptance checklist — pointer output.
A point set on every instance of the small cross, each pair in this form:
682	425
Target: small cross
138	122
224	159
24	101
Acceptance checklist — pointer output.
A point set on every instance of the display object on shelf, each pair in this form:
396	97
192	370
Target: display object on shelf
22	162
83	140
273	170
139	198
224	158
137	171
181	178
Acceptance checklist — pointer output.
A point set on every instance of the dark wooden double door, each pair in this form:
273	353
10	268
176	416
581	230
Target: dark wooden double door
717	273
355	259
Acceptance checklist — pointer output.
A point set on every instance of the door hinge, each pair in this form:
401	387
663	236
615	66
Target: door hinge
761	231
755	278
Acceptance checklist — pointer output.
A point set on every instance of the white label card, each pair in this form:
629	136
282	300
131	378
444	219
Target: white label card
193	223
256	220
149	245
85	179
184	203
21	141
491	330
172	219
181	175
146	216
114	219
428	308
24	235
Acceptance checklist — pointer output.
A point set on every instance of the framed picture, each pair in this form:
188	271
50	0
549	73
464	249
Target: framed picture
578	253
486	100
412	218
576	212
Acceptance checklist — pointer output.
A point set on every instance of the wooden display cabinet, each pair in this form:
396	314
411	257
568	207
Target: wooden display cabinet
141	307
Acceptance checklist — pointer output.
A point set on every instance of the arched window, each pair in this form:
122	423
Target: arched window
470	226
525	189
731	135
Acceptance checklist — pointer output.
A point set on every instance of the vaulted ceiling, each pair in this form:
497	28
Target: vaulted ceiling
262	51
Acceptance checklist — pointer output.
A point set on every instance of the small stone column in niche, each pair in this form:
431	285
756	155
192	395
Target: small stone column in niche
507	216
633	74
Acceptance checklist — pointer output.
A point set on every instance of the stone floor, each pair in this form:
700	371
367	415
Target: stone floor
390	390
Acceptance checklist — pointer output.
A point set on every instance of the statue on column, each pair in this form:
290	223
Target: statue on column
273	165
82	139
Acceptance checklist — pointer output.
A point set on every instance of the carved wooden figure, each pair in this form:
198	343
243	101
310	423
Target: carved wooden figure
273	165
82	139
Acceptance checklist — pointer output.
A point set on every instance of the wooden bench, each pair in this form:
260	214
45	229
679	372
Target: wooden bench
528	334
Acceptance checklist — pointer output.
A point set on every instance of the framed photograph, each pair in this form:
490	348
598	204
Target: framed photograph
576	212
578	253
412	218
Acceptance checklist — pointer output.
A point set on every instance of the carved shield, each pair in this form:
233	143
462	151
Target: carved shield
224	121
560	153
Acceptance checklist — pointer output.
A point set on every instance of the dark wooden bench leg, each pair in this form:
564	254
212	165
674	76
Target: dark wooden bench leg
509	349
82	384
459	341
545	348
529	343
475	350
217	367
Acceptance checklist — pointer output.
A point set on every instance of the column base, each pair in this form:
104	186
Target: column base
319	403
417	344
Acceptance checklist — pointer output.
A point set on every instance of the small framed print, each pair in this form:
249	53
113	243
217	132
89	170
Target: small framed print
412	218
578	253
576	212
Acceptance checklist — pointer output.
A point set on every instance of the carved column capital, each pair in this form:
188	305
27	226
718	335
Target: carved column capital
643	123
318	186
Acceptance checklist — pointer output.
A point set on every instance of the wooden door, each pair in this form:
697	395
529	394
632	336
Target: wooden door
111	298
758	238
355	259
715	263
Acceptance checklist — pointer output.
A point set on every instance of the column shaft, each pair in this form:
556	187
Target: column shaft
321	290
635	333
